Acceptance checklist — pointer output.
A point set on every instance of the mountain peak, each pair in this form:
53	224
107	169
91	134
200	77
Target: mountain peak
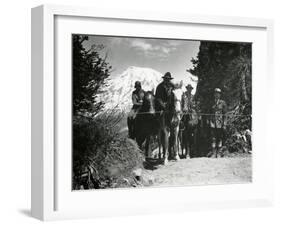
119	89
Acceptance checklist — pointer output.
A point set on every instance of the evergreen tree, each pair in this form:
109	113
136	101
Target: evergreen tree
226	66
90	71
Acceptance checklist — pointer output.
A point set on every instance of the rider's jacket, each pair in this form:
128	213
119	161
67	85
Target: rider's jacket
137	98
162	94
187	102
218	110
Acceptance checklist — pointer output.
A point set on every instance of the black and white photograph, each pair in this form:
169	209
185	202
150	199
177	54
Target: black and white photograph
134	113
156	112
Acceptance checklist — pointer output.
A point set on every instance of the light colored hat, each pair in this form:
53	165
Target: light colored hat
217	90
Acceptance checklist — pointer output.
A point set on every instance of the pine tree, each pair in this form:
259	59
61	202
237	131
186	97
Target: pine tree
90	71
226	66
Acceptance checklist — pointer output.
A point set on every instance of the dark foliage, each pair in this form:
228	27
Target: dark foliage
101	158
227	66
90	71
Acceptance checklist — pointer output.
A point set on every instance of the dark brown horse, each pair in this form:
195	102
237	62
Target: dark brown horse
162	124
146	122
188	135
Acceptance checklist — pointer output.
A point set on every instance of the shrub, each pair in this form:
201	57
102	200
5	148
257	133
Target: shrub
101	157
238	129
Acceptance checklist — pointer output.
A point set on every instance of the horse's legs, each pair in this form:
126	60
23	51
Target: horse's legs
165	145
197	137
159	145
140	140
176	144
191	153
147	146
188	143
184	143
170	143
194	143
171	148
181	142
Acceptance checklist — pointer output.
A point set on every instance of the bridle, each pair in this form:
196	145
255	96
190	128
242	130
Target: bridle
176	112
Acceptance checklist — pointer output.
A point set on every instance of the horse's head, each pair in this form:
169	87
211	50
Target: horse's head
148	102
176	99
174	106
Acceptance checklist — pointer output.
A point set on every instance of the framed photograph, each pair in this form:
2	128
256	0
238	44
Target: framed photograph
137	112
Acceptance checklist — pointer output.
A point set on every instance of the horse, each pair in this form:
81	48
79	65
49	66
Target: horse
188	136
169	119
175	110
146	122
151	123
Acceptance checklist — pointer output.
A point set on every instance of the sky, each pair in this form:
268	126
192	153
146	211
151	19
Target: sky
162	55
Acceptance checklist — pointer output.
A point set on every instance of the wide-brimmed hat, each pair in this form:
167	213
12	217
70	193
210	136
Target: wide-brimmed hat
217	90
189	86
137	84
168	75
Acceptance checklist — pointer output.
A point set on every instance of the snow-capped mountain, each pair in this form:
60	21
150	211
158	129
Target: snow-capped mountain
118	93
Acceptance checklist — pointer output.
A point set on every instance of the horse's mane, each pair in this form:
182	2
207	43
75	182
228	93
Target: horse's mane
171	102
149	92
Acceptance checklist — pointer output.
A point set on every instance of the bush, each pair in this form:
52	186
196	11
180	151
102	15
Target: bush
238	138
102	158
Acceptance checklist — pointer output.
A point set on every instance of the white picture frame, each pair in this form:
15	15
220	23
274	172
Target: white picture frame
45	86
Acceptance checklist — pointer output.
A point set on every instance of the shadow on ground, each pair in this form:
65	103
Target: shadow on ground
25	212
152	163
155	163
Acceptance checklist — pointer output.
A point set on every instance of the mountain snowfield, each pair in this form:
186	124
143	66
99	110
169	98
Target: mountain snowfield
118	93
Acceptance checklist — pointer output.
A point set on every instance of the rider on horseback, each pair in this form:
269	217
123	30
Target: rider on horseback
163	91
187	100
189	120
137	99
162	98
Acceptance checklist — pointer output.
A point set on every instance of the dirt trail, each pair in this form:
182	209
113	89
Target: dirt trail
202	171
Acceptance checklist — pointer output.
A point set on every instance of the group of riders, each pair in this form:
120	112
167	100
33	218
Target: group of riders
188	106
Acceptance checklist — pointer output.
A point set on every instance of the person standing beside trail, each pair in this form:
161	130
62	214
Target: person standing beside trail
137	99
217	123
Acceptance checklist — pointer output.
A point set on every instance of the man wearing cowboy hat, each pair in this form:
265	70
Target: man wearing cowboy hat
137	99
163	91
217	123
188	107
